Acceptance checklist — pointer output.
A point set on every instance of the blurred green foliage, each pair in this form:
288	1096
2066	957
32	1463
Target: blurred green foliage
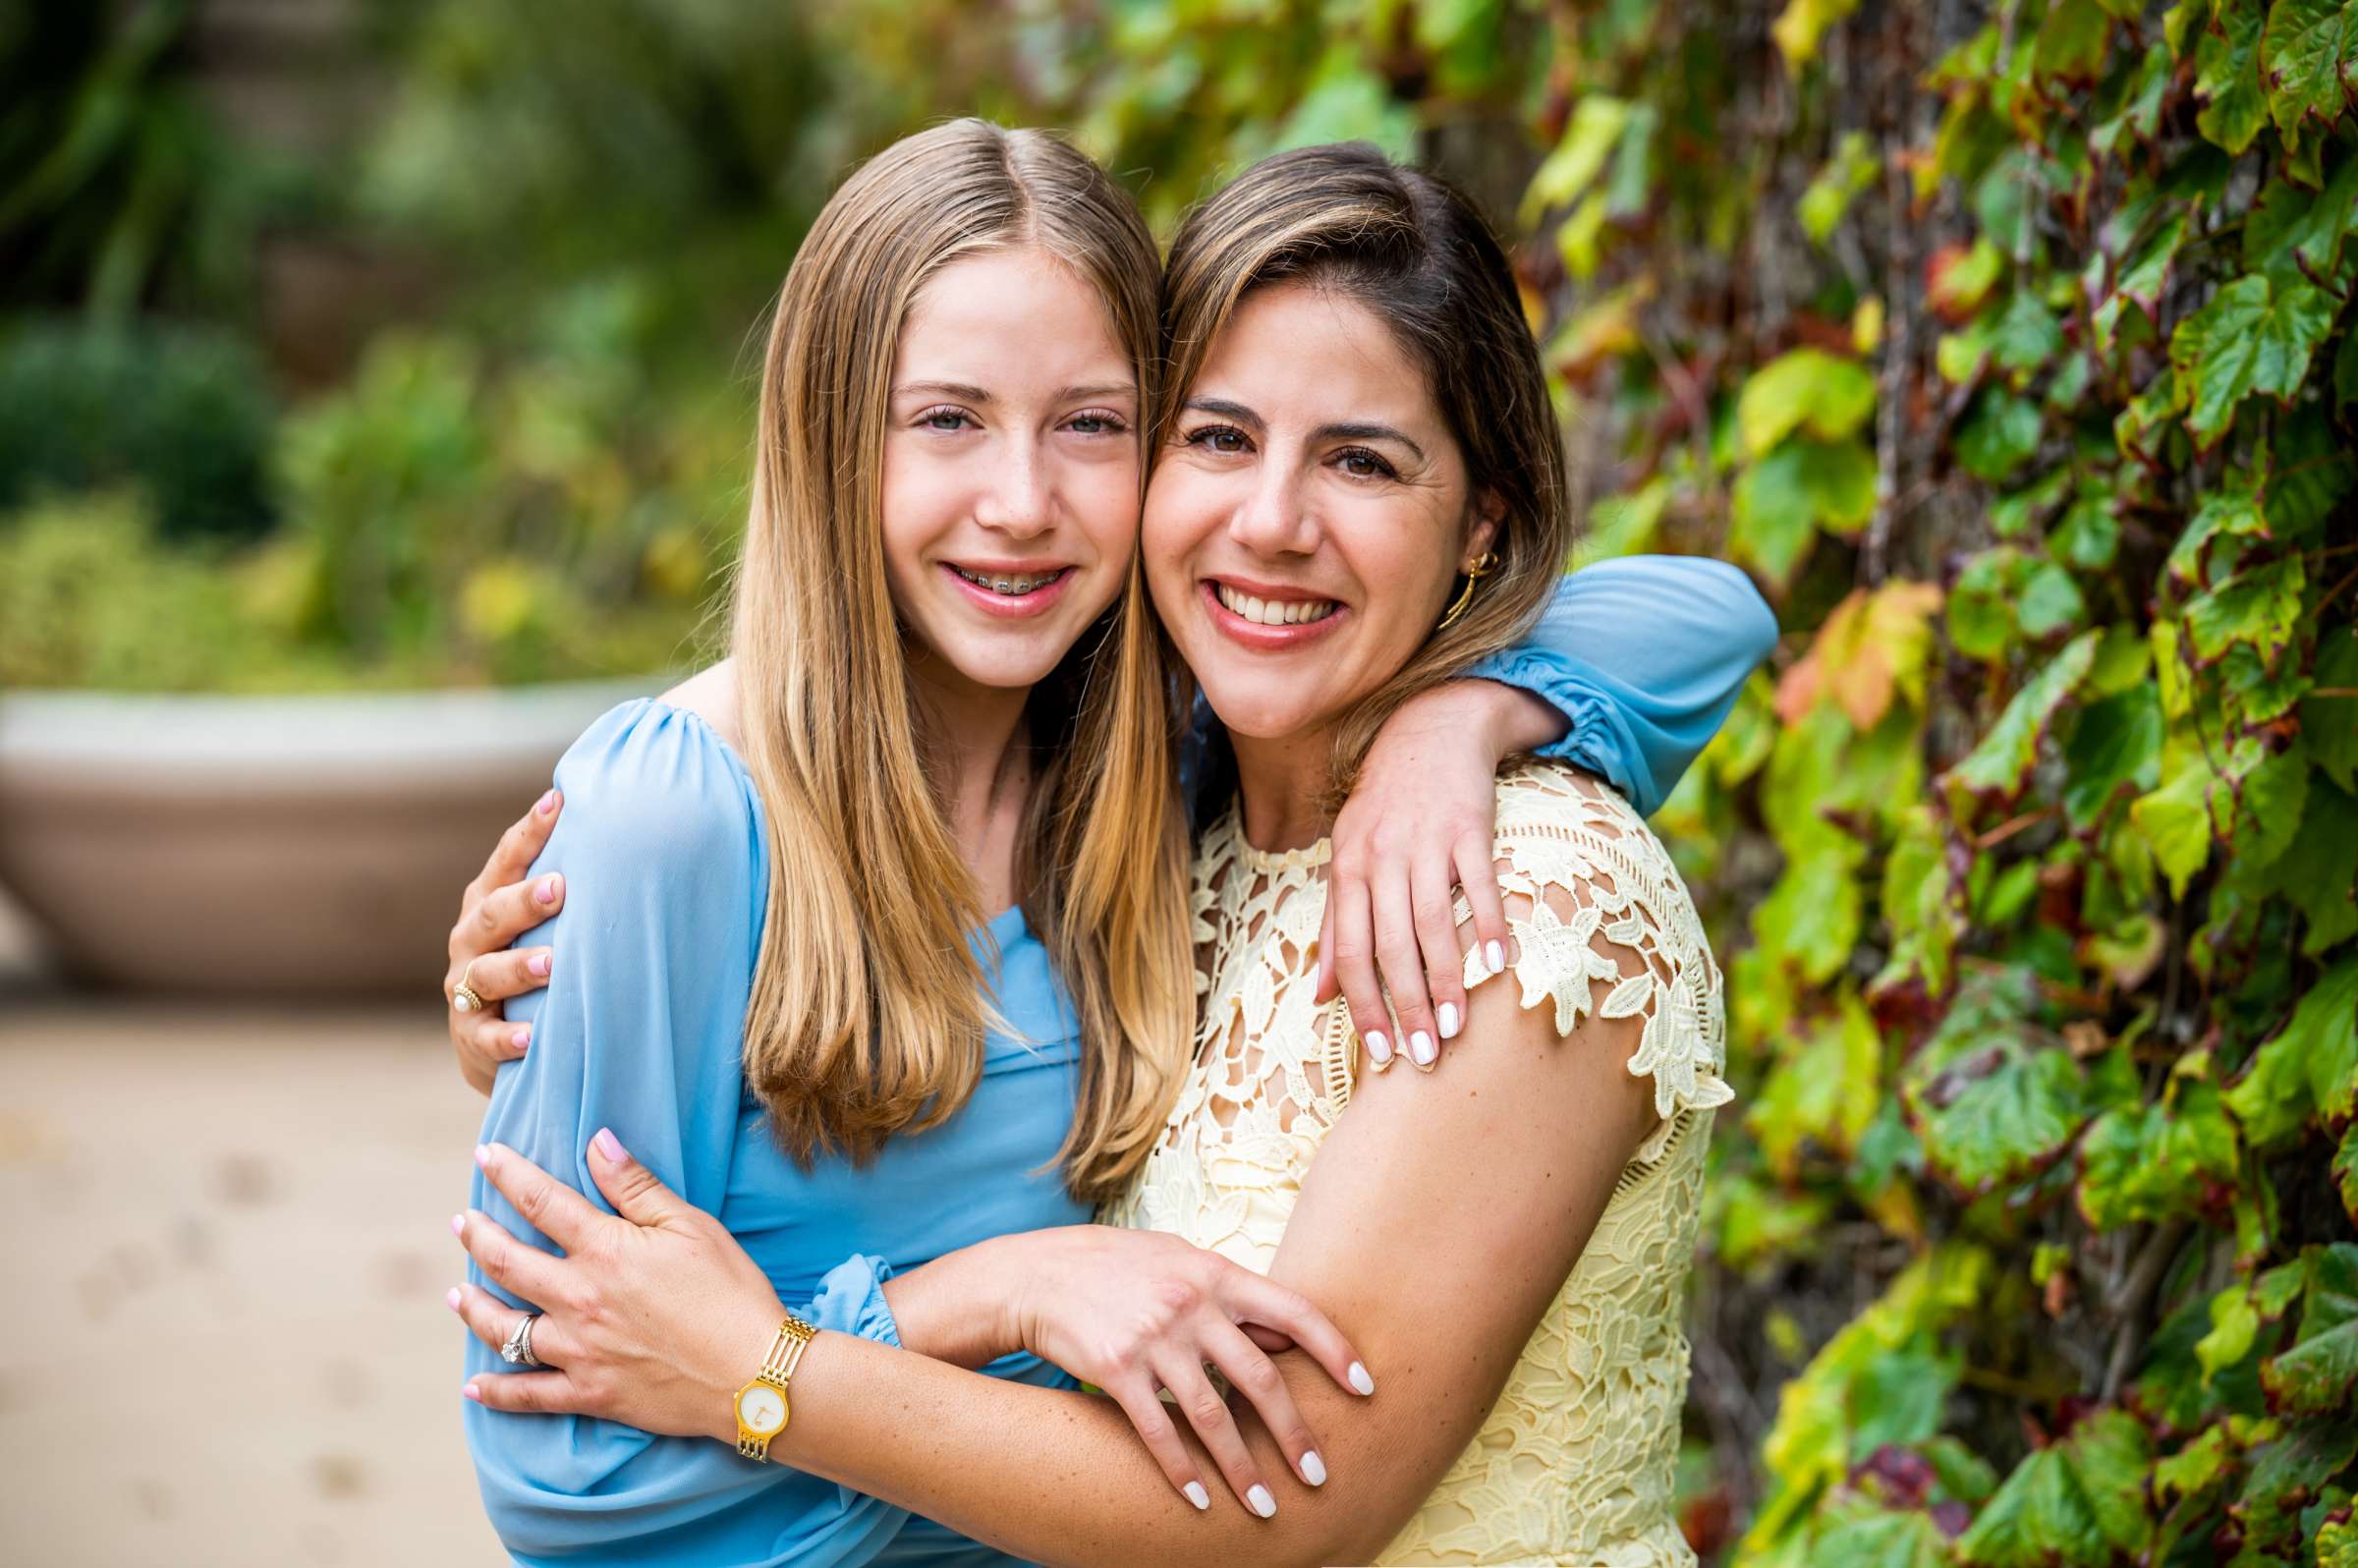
184	412
87	598
515	527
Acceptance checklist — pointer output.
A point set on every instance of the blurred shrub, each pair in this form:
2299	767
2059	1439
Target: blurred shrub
543	521
183	412
88	598
442	524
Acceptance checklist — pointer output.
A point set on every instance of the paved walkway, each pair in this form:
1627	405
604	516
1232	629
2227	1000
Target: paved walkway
227	1239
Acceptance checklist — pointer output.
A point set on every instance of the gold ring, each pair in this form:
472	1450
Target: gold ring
464	997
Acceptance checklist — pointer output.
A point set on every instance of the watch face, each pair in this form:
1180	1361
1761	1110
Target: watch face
762	1409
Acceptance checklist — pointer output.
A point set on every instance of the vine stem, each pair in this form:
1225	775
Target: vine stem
2334	591
1893	59
2129	1304
2013	825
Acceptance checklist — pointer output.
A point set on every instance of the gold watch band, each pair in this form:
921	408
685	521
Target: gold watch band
786	1349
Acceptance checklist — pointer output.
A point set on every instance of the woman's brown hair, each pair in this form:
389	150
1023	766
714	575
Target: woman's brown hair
868	1014
1417	256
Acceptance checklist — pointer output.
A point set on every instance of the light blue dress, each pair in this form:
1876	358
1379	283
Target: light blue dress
641	1028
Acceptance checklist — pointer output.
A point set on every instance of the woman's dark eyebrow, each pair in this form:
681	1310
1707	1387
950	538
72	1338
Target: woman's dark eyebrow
1365	432
1221	408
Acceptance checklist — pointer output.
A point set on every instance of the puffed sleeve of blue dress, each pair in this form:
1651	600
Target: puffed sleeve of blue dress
1642	656
641	1028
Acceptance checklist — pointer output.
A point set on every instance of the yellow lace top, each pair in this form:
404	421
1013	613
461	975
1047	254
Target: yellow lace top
1574	1464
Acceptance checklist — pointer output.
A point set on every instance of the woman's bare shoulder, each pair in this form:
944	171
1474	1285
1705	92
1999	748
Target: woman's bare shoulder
711	696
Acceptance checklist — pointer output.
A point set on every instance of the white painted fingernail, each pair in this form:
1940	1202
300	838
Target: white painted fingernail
1196	1494
1361	1380
1449	1021
1314	1469
1263	1504
1379	1047
1420	1047
1494	955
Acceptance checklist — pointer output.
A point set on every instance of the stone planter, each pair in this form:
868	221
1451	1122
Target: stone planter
269	844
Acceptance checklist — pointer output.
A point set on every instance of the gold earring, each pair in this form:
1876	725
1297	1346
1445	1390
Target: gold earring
1476	570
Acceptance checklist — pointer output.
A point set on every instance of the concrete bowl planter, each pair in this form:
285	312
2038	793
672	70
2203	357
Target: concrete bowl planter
269	844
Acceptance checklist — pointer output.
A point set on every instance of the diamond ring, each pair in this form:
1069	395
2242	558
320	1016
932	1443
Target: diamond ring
518	1351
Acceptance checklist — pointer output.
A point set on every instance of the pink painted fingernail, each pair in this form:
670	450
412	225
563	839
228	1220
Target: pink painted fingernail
472	1392
549	888
458	1224
610	1145
548	803
482	1157
453	1298
520	1035
537	963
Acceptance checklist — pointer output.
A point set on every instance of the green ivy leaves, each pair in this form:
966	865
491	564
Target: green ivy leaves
2079	1502
1799	418
2227	76
2308	52
2092	1001
2314	1377
2255	336
2310	1069
1808	387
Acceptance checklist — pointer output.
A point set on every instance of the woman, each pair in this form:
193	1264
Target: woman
1358	431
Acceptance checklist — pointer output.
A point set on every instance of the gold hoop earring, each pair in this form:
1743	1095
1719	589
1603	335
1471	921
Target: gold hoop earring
1476	570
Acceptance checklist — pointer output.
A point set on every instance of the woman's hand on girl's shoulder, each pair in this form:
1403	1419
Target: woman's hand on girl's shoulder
498	906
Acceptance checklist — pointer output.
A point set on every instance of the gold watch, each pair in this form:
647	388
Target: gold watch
761	1411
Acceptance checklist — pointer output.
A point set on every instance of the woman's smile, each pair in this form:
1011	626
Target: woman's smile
1269	619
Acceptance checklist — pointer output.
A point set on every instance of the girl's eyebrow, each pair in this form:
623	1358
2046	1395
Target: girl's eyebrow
948	389
968	393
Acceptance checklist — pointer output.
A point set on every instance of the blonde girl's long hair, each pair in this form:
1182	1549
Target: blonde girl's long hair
1417	255
869	1016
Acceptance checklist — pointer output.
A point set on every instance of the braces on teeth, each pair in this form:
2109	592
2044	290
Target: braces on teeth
1012	587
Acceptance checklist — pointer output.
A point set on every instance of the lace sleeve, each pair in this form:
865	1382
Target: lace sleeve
1602	924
